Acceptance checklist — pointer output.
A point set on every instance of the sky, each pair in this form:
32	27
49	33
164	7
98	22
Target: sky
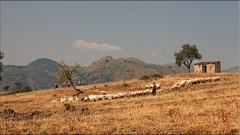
85	31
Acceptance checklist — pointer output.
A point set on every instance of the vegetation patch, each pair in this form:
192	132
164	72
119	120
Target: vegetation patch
151	77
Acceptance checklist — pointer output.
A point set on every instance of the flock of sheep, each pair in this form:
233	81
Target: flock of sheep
183	83
105	96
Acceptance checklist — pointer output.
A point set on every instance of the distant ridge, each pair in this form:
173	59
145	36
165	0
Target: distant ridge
234	69
41	74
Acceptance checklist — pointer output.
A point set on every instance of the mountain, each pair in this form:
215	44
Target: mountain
232	69
41	74
108	69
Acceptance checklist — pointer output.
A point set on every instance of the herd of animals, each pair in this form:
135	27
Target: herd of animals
105	96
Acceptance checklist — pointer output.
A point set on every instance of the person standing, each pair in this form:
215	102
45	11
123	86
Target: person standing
56	85
154	89
79	83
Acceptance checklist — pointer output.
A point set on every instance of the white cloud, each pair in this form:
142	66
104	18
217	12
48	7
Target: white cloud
95	46
153	54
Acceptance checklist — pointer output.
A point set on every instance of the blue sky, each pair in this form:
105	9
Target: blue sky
83	32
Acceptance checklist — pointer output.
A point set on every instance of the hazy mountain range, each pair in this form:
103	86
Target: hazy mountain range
41	74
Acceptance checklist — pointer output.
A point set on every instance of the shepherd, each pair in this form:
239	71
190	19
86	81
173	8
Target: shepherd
79	82
56	85
154	89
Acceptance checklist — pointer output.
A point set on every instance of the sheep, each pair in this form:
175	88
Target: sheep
77	98
85	99
122	95
158	85
215	78
132	94
159	91
150	86
189	82
87	89
103	92
93	97
109	97
209	79
146	86
54	101
182	84
70	98
62	100
176	83
174	87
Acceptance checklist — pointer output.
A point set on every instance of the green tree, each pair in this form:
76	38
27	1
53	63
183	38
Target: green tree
18	85
6	87
27	89
65	73
187	55
1	57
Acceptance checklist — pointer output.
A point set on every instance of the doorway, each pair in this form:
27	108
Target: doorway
204	69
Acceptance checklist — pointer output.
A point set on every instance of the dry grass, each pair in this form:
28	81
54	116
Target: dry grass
207	108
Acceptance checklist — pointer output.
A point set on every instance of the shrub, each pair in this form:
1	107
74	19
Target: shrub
154	76
23	90
125	84
145	77
95	87
69	107
105	85
6	87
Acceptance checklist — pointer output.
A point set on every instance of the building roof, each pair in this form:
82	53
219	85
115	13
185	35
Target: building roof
205	63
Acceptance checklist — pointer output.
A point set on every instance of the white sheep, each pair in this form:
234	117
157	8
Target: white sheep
85	99
62	100
146	86
103	92
54	101
158	85
174	87
77	98
70	98
159	91
108	96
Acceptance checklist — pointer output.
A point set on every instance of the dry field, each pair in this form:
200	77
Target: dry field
206	108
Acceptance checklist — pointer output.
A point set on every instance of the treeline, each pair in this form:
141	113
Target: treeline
151	77
18	88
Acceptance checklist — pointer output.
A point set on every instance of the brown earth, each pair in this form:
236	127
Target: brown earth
205	108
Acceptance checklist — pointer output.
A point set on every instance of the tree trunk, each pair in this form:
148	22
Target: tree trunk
78	90
189	69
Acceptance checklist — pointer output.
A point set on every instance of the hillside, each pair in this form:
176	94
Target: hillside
40	74
108	69
205	108
232	70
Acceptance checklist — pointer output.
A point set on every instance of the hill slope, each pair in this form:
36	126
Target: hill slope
205	108
108	69
39	74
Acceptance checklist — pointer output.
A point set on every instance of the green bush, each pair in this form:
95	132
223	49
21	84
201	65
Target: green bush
154	76
69	107
23	90
105	85
125	84
6	87
145	77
